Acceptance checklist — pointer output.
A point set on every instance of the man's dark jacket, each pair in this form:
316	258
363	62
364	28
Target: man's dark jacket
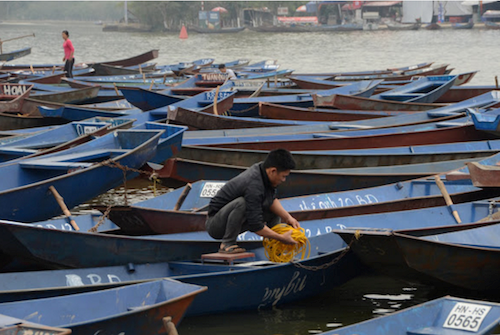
253	184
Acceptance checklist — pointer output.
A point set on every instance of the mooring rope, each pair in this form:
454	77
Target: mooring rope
280	252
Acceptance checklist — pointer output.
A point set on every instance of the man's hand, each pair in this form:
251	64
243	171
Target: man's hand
287	238
293	222
64	58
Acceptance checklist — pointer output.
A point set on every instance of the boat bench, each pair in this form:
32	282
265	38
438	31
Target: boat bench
401	97
72	161
229	258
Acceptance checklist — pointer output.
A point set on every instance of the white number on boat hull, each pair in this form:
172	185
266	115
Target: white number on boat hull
209	190
465	316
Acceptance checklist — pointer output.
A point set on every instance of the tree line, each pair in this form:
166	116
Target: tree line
158	14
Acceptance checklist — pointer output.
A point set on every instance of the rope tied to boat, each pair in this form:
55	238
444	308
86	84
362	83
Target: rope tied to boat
101	220
280	252
326	265
114	164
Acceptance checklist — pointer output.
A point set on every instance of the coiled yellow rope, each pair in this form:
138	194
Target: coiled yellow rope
279	252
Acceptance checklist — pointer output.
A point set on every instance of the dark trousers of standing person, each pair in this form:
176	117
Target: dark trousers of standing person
230	221
68	67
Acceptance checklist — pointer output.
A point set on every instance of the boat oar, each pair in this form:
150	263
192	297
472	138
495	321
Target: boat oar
182	197
447	198
215	100
13	39
63	206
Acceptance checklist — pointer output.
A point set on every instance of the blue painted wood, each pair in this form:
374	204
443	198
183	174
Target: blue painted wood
249	106
232	64
465	256
283	282
488	121
137	309
228	285
26	183
8	56
427	318
71	113
483	100
423	90
50	138
311	136
53	248
147	100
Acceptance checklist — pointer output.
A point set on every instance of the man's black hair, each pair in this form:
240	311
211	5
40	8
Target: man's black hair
221	66
281	159
66	32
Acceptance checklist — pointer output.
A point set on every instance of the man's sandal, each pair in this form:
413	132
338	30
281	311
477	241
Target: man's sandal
232	249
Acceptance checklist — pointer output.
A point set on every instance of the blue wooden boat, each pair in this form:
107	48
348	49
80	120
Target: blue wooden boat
147	100
158	215
57	138
8	56
28	244
139	308
262	66
485	100
304	182
325	248
349	158
250	106
465	256
458	130
425	90
488	122
445	315
232	64
14	326
467	25
200	120
26	182
235	287
370	72
75	113
263	75
281	112
357	130
84	222
435	70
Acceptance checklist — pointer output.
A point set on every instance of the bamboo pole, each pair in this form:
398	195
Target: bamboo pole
60	202
216	112
116	89
13	39
447	197
182	197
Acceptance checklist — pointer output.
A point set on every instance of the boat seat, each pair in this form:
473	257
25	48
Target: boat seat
229	258
70	161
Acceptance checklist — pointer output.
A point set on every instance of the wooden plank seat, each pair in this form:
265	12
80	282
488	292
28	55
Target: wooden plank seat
72	161
229	258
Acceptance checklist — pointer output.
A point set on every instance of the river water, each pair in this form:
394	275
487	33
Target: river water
365	297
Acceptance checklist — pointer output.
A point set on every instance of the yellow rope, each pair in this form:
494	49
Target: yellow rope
279	252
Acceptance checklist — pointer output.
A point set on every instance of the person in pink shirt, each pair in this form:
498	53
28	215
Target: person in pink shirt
69	52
